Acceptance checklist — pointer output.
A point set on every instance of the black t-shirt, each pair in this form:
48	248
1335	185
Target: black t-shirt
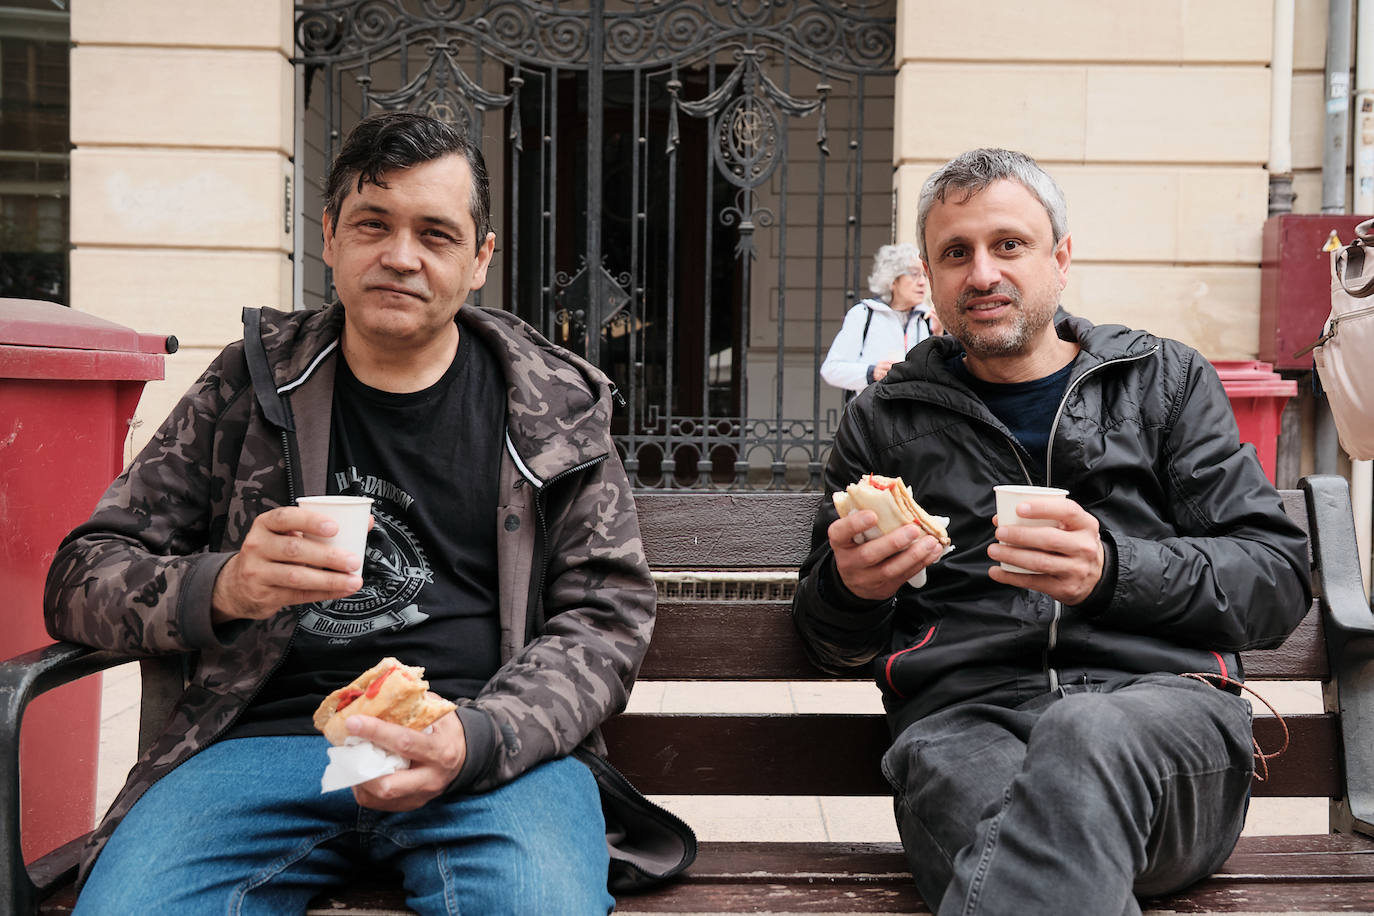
1026	408
430	461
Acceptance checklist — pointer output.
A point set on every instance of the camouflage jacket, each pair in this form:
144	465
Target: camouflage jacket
576	599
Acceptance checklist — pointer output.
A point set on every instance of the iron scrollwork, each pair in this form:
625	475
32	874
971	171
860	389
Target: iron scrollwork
438	56
747	142
575	305
445	91
852	38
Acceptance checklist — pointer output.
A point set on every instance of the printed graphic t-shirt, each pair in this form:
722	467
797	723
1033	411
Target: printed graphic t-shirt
430	461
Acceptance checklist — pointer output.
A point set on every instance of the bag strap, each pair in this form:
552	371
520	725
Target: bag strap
1349	265
867	321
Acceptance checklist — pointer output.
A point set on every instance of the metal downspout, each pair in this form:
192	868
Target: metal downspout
1336	136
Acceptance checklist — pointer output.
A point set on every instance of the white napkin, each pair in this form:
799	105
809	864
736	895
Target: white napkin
875	532
358	761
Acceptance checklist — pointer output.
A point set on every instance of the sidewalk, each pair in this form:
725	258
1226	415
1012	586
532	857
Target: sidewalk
799	819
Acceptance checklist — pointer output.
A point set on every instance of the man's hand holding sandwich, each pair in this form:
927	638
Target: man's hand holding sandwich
876	569
435	759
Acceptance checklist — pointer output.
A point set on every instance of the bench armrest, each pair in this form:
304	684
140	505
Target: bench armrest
1349	626
23	678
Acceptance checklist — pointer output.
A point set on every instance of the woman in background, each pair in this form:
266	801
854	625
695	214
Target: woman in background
878	332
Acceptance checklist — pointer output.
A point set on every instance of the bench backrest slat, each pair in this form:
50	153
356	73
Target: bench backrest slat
718	530
693	640
716	639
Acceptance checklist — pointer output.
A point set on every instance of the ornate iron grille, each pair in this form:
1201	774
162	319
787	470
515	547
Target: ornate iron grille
684	193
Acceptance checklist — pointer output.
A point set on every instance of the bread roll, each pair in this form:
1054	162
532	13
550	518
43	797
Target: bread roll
389	690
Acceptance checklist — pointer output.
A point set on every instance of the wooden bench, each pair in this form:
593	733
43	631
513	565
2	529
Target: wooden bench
716	629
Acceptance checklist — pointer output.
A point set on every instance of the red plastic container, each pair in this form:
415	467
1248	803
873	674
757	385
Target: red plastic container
1295	283
1258	395
69	383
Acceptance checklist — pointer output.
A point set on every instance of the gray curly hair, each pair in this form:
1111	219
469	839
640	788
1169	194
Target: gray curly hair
974	170
891	262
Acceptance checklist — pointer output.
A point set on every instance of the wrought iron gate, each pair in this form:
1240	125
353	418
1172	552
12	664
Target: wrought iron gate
669	171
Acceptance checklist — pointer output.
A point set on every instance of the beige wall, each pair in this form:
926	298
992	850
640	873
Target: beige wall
182	127
1154	118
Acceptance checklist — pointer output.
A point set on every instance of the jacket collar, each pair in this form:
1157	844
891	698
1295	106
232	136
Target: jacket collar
557	404
1097	344
1102	342
879	305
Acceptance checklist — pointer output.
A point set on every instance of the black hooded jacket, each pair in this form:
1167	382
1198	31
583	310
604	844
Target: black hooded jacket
1202	562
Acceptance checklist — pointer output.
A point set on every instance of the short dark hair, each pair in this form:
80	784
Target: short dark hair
392	140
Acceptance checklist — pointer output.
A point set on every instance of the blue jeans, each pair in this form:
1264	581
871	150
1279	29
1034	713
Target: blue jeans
242	828
1074	802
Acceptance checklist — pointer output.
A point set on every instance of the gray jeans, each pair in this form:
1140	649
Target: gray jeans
1074	802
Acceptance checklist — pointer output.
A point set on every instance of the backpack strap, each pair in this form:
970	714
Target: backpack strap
867	321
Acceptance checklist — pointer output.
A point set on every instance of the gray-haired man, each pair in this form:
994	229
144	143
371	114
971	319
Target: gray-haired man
1047	756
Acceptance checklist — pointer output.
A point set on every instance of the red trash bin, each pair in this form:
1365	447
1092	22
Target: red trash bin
69	383
1257	394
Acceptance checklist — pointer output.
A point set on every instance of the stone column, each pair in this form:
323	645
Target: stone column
182	125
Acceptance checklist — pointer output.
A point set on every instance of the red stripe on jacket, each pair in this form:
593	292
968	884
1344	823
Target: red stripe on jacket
1221	664
887	671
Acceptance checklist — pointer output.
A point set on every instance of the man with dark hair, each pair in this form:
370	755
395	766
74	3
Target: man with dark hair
504	558
1047	756
398	140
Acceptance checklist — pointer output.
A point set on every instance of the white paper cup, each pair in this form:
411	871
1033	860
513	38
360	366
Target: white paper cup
1009	496
351	514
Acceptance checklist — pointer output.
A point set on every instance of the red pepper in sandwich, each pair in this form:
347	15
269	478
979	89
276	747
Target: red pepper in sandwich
390	691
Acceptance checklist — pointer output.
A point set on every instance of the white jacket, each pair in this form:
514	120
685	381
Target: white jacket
890	336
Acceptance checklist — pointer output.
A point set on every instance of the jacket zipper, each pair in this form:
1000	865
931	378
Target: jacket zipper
281	659
290	468
1335	326
1053	640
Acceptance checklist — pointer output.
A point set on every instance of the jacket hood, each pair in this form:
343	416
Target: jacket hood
546	435
878	305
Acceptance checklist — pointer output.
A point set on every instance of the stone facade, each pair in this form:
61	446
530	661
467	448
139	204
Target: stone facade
182	124
1154	118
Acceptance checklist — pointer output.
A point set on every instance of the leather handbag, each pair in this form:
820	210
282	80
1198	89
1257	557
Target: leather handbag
1344	354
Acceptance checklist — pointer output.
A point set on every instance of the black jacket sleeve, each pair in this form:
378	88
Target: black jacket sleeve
840	631
1236	575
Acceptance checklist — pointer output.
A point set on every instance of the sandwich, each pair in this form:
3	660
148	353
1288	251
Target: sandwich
389	690
891	500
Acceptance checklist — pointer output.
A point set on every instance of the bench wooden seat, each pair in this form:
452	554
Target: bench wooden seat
712	631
